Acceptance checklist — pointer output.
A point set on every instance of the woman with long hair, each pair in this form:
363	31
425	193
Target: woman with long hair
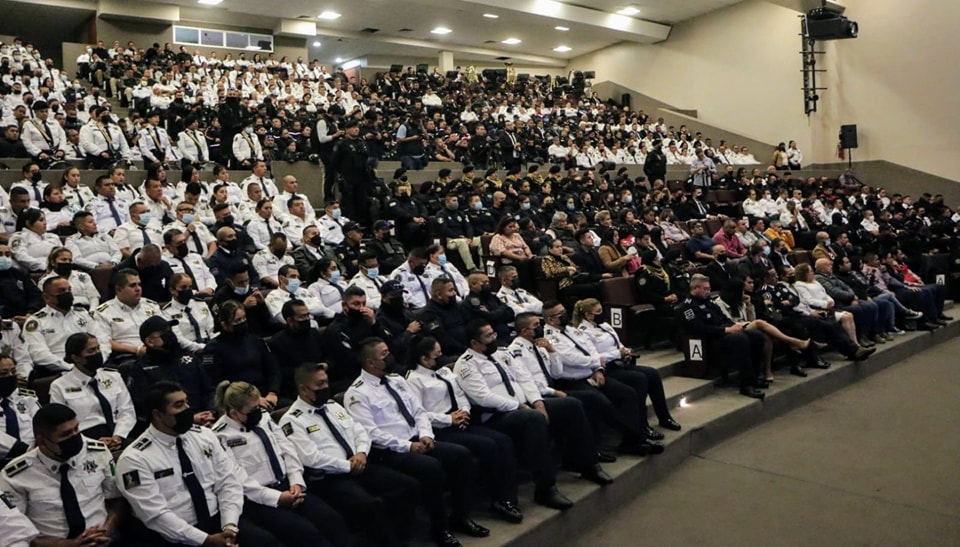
60	264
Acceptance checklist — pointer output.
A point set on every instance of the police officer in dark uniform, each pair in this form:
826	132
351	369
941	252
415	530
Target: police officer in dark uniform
348	251
390	252
349	160
481	219
410	216
482	303
653	285
451	222
445	319
655	166
325	148
342	338
397	319
676	267
702	318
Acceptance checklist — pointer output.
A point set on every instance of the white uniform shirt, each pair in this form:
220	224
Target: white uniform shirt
30	250
203	235
280	204
193	146
32	483
46	333
449	271
480	379
371	287
267	264
89	252
576	365
370	404
77	197
73	389
18	531
604	338
186	334
155	145
199	269
122	323
106	222
520	300
277	298
251	455
130	236
433	394
293	226
316	446
36	137
260	234
84	291
329	295
525	352
331	229
150	478
24	404
266	184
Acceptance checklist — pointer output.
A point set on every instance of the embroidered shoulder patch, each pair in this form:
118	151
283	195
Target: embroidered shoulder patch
287	429
131	479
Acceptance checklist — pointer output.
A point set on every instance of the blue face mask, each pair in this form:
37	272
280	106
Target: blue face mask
293	285
628	199
335	277
826	243
571	206
477	206
241	291
442	260
145	219
335	214
188	218
373	273
526	206
766	250
5	263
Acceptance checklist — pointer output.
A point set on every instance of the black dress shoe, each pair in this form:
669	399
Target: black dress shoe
508	511
797	370
761	383
552	498
819	346
929	325
598	475
863	353
945	317
605	457
670	424
940	322
653	434
470	528
447	539
752	392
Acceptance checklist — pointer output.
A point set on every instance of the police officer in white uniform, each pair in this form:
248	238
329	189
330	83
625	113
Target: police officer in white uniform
18	406
17	529
46	331
194	320
410	275
291	288
369	279
193	144
122	316
268	261
290	189
141	229
511	294
264	224
438	267
154	143
274	488
247	149
66	485
332	223
334	447
43	139
403	440
90	248
182	485
295	219
199	239
181	260
259	174
98	396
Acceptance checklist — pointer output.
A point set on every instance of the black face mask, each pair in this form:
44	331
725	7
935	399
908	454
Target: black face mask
538	332
490	349
36	177
253	418
70	447
65	300
7	385
183	421
485	289
355	315
419	270
722	258
240	329
515	282
301	327
316	241
564	320
63	269
321	396
184	296
182	250
392	304
229	245
279	253
227	220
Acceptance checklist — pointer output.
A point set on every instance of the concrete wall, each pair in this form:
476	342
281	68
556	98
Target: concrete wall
739	68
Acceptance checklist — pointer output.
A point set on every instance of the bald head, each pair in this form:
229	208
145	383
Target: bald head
226	234
824	265
822	237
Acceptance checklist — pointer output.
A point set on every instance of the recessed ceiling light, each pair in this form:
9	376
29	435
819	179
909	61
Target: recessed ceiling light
511	41
564	29
329	15
338	60
561	49
209	2
629	10
441	30
316	44
491	15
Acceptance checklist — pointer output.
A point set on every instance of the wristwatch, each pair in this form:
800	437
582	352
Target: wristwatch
232	528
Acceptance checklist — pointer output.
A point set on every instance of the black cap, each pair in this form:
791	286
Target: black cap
155	323
392	288
352	122
40	105
382	225
554	169
444	172
352	227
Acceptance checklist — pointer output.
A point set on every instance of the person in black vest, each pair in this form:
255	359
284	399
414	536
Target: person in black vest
328	135
349	161
655	166
410	143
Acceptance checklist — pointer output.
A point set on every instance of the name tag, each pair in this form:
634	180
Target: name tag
313	429
163	473
233	443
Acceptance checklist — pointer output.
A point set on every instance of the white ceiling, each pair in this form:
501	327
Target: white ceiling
474	37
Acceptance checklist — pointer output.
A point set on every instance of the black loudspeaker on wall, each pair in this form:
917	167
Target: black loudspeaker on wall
625	100
848	136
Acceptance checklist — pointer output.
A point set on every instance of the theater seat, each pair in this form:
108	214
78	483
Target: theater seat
632	320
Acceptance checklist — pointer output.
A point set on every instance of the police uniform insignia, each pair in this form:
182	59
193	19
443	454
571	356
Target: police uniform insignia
353	401
642	281
90	466
703	306
151	313
517	353
16	467
207	451
163	473
96	446
464	372
689	315
30	326
131	479
313	429
142	444
73	389
196	428
117	320
439	220
220	427
186	359
474	301
107	382
233	443
287	429
341	415
103	307
16	243
296	413
81	322
165	306
21	408
24	392
207	359
6	501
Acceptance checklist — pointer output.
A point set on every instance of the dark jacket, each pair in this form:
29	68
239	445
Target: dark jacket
19	295
341	341
242	358
290	349
448	324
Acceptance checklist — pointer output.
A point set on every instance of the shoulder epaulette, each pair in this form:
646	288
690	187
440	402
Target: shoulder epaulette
103	307
142	444
220	427
16	467
358	383
40	314
167	305
24	392
196	428
296	413
96	446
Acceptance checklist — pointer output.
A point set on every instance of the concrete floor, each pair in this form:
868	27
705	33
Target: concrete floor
877	463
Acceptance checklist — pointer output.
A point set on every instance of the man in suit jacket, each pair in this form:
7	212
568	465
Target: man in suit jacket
587	257
720	271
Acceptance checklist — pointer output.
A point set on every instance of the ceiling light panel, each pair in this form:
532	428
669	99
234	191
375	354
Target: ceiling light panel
329	15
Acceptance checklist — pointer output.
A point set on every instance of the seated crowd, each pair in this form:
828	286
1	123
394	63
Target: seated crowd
210	362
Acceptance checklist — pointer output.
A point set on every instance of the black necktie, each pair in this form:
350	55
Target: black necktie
71	506
269	228
450	277
13	425
263	186
196	241
271	453
189	271
503	376
146	238
423	287
194	324
36	192
190	479
396	397
377	282
78	152
543	366
104	404
322	411
79	197
453	394
48	134
578	346
519	297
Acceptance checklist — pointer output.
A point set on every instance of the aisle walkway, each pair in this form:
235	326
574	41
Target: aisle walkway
877	463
